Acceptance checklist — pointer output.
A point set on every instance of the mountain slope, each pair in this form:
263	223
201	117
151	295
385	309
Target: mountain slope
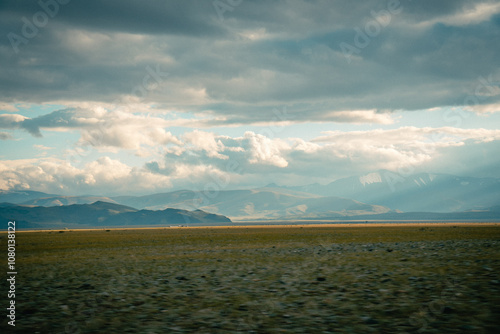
418	192
487	215
165	217
37	198
101	214
21	196
66	200
261	203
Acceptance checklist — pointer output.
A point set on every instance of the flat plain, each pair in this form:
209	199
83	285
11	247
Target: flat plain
422	278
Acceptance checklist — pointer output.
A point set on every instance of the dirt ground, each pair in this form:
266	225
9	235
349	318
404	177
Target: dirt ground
290	279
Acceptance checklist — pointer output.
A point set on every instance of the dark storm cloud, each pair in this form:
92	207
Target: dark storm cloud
257	56
142	17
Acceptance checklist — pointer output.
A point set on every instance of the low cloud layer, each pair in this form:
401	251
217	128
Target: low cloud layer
197	157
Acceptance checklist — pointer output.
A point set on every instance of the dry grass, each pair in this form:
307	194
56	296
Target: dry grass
301	279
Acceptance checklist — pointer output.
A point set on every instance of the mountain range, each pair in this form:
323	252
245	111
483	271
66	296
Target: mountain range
381	195
254	204
260	203
423	192
102	214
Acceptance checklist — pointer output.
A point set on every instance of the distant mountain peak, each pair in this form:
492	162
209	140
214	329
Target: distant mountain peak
374	177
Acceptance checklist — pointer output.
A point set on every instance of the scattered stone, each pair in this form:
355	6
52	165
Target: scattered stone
447	310
243	308
369	320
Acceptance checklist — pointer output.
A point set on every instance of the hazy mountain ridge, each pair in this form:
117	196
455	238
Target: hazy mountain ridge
381	193
487	214
261	203
100	214
37	198
423	192
67	200
21	196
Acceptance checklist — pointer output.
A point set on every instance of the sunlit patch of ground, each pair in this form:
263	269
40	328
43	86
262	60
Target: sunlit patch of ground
425	278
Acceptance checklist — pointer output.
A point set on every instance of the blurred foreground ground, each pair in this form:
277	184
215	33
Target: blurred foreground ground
357	279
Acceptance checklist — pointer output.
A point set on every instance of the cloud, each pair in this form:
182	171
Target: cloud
361	116
396	148
5	136
405	139
102	176
11	121
339	153
255	159
99	128
408	134
468	15
206	141
217	70
42	149
477	159
266	151
153	17
127	132
8	107
485	108
170	80
333	155
252	153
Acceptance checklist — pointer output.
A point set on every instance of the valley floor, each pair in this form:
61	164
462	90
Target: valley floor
426	278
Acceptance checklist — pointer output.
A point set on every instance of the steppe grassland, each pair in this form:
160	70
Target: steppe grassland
263	279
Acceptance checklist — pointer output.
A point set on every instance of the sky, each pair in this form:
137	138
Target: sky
120	97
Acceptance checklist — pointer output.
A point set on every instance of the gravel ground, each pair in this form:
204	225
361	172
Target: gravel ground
251	282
